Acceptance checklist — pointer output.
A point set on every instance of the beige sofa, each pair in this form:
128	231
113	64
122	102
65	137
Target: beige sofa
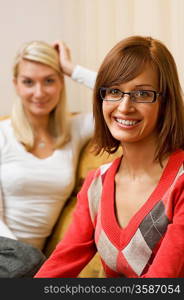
87	162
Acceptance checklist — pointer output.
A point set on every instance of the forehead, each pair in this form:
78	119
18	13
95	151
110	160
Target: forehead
148	77
30	68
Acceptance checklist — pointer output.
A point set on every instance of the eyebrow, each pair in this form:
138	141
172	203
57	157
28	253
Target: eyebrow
138	85
144	84
29	76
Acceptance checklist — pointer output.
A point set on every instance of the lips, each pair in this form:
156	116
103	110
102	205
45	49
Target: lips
39	102
126	122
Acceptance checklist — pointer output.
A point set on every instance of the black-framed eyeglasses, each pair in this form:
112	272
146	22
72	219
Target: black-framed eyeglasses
140	96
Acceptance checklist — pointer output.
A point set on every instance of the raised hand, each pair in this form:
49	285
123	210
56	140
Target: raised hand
65	57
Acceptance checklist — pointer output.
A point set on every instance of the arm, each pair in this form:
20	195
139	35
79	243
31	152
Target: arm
169	260
4	230
82	127
76	72
77	248
84	76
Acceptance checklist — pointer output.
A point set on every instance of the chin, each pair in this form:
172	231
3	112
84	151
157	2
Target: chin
40	113
125	138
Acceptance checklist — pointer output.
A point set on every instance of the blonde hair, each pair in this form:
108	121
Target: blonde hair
38	51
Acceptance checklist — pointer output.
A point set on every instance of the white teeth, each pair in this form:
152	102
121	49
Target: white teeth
126	122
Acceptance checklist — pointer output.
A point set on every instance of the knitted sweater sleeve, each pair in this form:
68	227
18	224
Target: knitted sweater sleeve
77	247
169	260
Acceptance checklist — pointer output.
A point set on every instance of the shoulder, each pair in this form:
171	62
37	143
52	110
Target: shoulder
178	154
175	170
92	188
80	119
177	162
82	127
4	123
95	178
5	131
5	127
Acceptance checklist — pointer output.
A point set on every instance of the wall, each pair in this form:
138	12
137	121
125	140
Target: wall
90	28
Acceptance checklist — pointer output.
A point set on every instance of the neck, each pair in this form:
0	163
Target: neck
39	124
139	159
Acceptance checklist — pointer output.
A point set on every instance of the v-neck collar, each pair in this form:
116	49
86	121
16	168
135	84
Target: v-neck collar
121	236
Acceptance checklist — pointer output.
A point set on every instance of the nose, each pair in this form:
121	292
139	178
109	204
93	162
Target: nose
39	90
126	105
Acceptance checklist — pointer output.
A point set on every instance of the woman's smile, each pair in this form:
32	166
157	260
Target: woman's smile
39	87
126	123
129	121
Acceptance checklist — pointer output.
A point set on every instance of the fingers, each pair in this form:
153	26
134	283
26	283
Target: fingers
56	45
64	56
62	49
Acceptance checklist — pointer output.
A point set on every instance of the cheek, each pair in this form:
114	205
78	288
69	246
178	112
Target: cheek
56	97
23	92
152	117
155	112
103	108
106	110
56	92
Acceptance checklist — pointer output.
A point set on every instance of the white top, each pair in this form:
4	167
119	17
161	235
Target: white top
33	190
84	76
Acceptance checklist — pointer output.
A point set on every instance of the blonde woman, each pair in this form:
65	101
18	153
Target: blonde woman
40	146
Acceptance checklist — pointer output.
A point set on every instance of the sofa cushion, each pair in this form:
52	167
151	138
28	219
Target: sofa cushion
87	162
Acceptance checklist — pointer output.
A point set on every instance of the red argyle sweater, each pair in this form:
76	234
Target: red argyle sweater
151	245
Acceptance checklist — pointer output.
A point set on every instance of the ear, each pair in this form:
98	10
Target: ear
15	84
14	81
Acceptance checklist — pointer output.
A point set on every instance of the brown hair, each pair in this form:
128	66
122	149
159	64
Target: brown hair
123	63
